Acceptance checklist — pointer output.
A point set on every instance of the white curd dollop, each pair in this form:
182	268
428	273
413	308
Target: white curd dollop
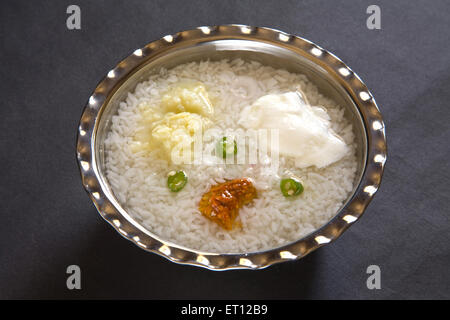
304	131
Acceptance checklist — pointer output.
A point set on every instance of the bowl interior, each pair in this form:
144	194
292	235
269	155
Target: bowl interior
265	53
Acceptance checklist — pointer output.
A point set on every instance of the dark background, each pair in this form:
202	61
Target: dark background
48	222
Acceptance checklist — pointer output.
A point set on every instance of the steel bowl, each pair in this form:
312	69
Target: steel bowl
270	47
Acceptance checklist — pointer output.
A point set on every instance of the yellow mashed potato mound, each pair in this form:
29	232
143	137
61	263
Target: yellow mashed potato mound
188	97
172	126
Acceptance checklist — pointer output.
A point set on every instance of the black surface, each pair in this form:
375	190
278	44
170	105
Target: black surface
48	222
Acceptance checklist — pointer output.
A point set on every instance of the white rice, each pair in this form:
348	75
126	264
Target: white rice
139	181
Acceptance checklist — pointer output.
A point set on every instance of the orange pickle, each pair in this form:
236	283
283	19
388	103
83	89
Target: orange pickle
222	202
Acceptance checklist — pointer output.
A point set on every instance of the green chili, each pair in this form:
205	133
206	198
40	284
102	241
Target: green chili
176	181
291	187
225	148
